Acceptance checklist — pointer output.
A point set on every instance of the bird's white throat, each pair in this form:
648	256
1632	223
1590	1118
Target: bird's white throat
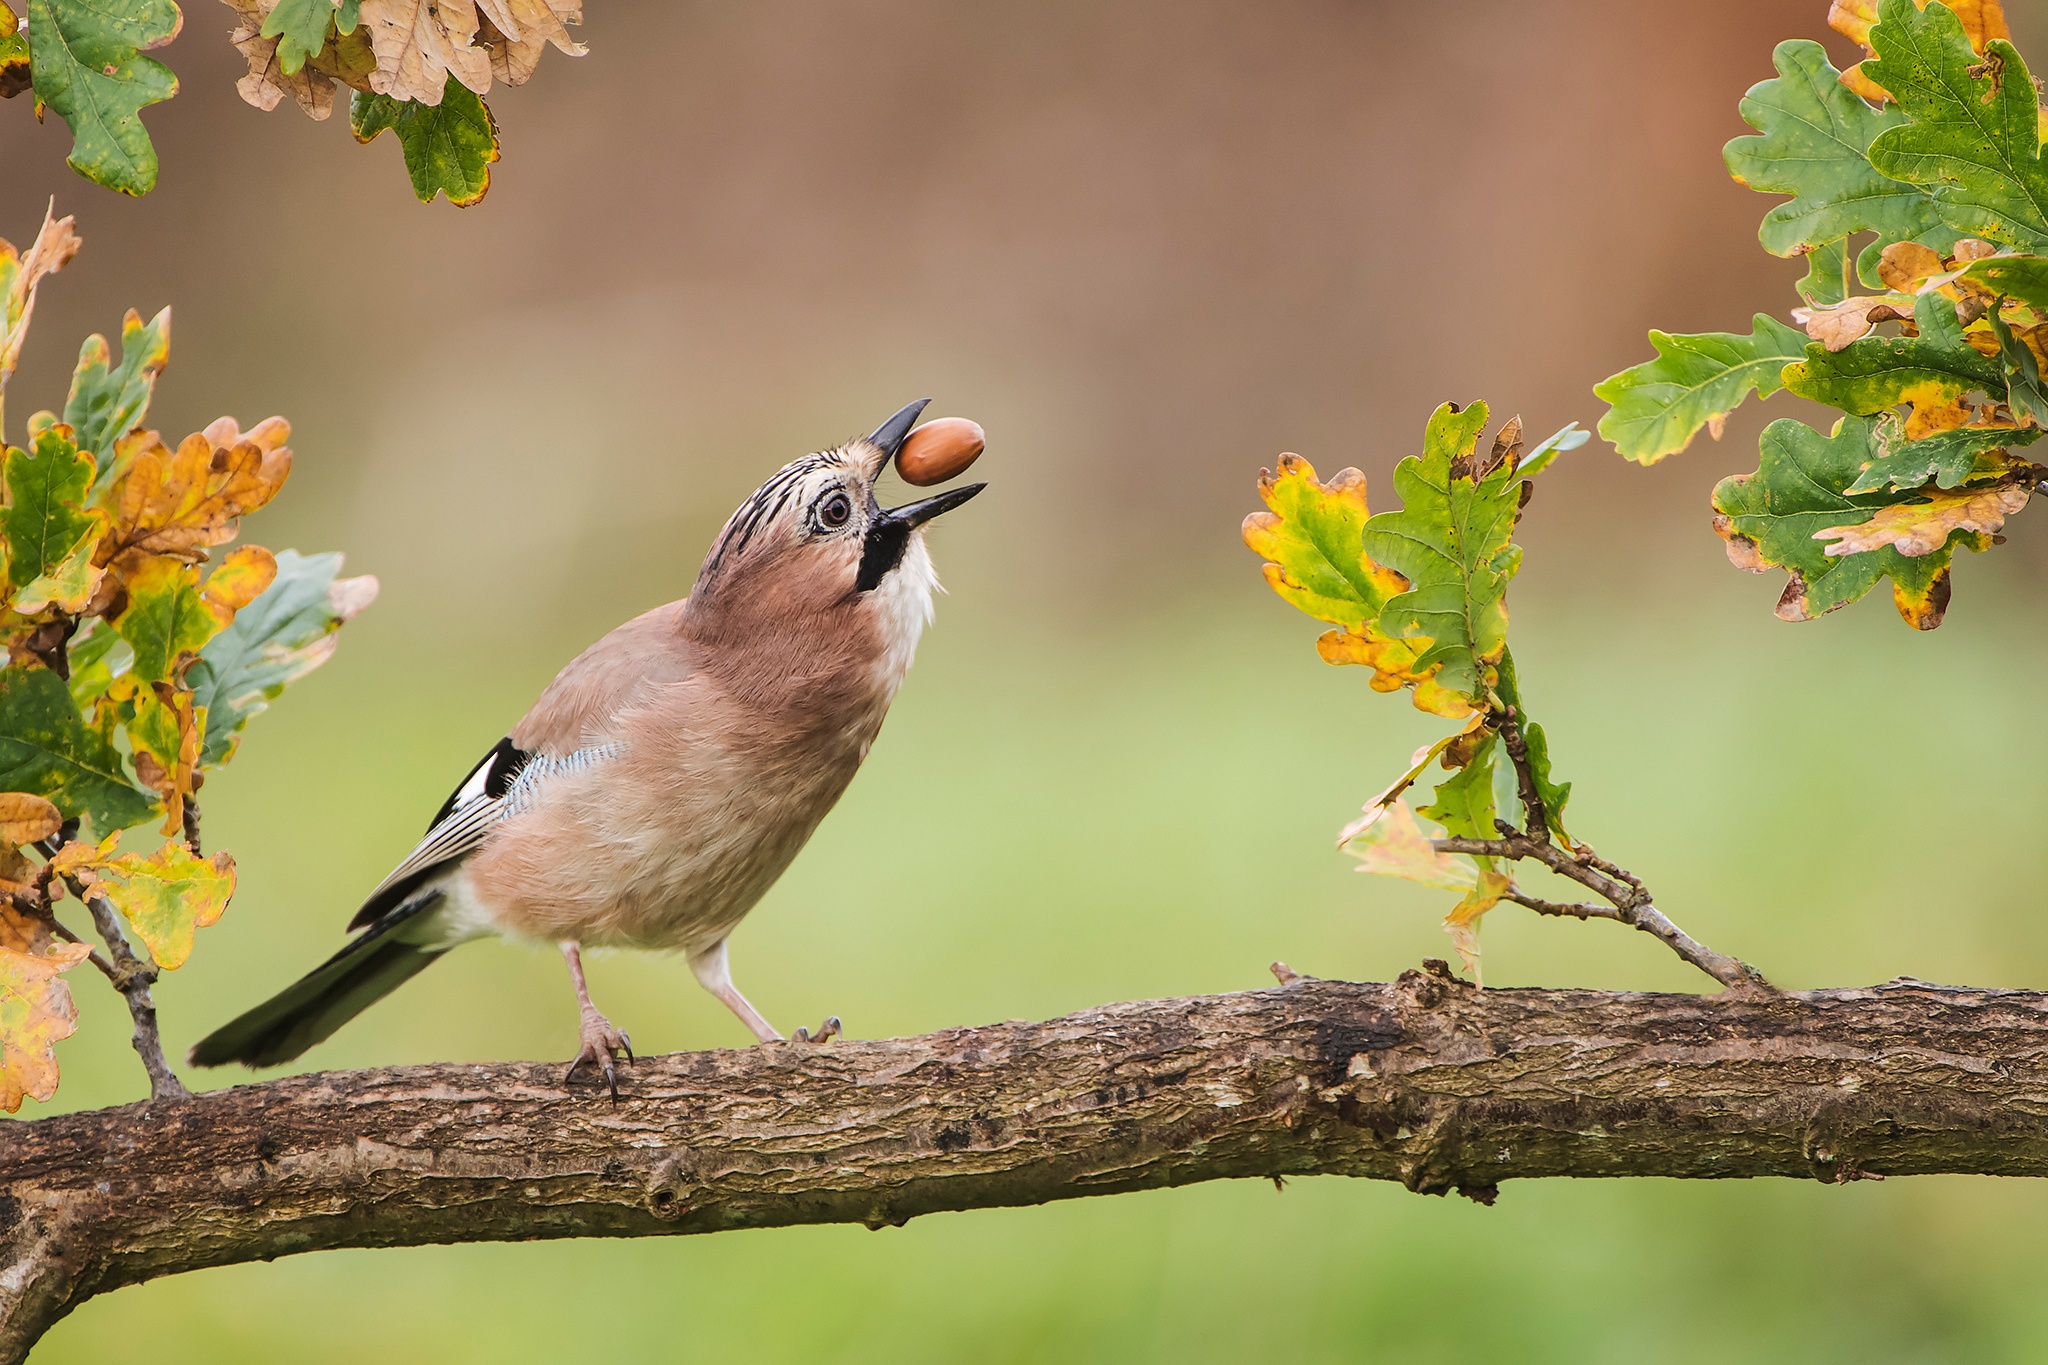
903	604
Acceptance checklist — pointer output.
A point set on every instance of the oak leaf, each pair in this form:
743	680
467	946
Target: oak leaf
26	818
1838	324
1948	458
1769	519
47	749
184	502
1312	536
50	534
35	1013
15	75
286	633
448	147
1932	371
1657	407
168	896
516	32
171	615
1472	735
1811	142
108	400
87	65
1452	538
1393	845
1462	924
1981	21
1923	526
1973	135
20	272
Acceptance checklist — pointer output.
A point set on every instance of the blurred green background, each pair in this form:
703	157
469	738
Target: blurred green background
1148	246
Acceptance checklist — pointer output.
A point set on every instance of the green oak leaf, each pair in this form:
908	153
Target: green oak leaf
1827	270
1800	487
98	655
2023	391
1570	436
347	15
87	66
1947	458
47	750
284	634
449	147
108	400
1811	143
46	518
1973	135
1451	538
1463	803
1554	794
1867	376
2018	277
1657	407
300	27
167	616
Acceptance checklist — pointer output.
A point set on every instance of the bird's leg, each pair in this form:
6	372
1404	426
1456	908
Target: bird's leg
716	976
598	1039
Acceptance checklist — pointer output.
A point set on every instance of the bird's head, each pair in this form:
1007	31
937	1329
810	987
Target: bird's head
812	545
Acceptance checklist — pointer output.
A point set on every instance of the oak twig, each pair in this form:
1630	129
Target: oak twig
1425	1081
132	976
1631	901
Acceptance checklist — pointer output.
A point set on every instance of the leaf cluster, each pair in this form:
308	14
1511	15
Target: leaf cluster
1419	595
1919	197
139	641
418	68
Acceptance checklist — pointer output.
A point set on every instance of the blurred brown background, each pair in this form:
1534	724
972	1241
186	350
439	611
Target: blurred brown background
1148	246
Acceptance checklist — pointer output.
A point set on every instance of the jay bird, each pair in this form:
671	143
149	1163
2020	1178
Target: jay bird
669	774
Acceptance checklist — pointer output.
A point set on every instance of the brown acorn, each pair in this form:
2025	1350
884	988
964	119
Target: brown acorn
939	450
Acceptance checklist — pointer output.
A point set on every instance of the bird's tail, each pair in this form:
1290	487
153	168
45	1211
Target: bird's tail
374	964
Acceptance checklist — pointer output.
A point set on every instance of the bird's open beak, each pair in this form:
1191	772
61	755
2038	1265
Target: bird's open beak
889	436
889	532
913	514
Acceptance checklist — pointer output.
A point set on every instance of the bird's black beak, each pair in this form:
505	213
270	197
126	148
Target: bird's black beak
890	530
888	437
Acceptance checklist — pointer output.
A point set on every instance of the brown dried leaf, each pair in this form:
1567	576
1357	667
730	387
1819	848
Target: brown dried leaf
1836	325
421	43
515	32
1921	528
24	819
21	272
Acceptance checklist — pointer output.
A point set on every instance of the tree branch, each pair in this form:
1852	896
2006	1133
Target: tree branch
1426	1081
132	976
1631	899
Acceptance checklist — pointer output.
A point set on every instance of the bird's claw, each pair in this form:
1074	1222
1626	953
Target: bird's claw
599	1042
828	1029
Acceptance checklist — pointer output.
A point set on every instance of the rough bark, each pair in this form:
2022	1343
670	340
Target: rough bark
1425	1081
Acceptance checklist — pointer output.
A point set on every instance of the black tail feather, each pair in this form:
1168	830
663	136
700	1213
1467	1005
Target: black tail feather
309	1010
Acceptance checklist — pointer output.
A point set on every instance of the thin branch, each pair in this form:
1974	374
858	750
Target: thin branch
1426	1081
132	976
1512	739
1568	909
1630	899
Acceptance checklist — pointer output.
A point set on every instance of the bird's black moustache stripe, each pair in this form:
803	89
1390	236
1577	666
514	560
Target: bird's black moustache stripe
881	551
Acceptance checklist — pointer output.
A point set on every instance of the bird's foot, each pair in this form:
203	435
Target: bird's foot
828	1029
600	1041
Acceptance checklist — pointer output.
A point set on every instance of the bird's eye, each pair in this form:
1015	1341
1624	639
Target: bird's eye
835	511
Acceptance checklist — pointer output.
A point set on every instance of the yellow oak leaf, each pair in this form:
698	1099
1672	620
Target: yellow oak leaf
1417	761
1312	535
164	733
1462	924
1921	528
168	897
35	1012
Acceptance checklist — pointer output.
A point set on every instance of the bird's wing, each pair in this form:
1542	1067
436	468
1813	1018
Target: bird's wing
568	729
502	785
